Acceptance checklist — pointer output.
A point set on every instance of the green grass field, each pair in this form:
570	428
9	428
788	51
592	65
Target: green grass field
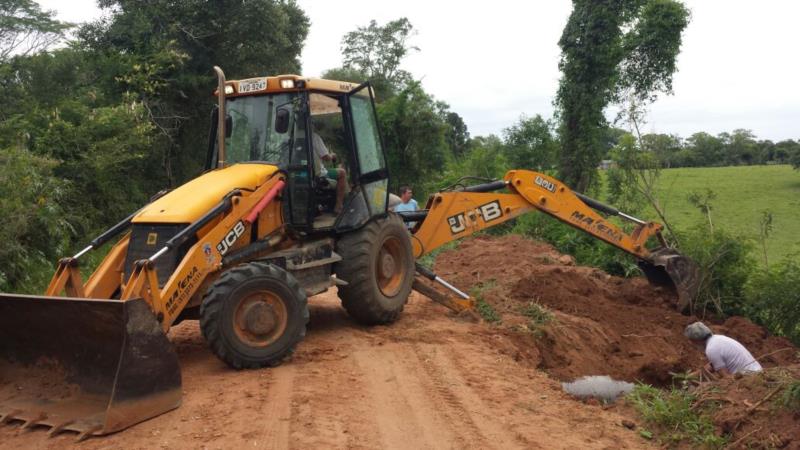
742	193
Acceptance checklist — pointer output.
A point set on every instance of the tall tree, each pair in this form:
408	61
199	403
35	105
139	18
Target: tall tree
161	55
26	29
414	134
741	146
664	146
457	134
377	51
611	49
794	159
529	144
784	150
706	149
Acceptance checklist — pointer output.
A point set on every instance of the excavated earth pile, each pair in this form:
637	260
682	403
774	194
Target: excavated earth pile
602	325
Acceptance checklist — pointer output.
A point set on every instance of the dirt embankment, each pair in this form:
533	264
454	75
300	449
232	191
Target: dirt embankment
603	325
624	328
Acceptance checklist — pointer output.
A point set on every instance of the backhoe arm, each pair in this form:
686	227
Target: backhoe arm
457	214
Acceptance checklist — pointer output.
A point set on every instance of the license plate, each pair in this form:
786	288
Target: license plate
252	86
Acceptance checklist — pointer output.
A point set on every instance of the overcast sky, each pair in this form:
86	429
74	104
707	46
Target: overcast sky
494	61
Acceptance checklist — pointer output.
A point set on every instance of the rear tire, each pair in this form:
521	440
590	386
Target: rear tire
254	315
378	265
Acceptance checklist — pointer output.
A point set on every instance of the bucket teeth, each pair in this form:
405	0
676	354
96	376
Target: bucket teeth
33	421
59	427
9	415
87	433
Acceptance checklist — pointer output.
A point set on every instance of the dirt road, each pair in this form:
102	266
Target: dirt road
427	381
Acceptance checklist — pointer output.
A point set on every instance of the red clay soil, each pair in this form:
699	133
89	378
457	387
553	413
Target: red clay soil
753	411
604	325
624	328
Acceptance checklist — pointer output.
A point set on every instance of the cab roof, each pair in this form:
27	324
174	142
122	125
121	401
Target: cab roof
283	83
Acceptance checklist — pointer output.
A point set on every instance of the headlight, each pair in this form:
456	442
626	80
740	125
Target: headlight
228	90
287	84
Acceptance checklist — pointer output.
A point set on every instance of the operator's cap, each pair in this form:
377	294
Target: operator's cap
697	331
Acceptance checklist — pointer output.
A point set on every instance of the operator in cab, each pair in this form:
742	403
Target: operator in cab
337	175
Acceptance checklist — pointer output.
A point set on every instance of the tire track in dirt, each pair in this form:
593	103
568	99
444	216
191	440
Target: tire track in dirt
278	409
459	403
405	414
330	407
469	383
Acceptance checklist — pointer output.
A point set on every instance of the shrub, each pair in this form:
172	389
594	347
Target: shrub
774	299
725	262
32	227
671	414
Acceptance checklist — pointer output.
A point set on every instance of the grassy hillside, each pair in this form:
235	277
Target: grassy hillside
743	192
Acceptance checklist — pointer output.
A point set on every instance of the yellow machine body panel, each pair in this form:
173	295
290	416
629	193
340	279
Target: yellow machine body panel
197	197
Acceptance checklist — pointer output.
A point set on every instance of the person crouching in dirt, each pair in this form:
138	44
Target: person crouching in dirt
726	356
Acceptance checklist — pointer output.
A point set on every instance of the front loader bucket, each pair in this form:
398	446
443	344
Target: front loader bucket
668	267
91	366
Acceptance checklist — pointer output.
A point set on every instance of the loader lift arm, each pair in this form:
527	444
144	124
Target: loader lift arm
453	215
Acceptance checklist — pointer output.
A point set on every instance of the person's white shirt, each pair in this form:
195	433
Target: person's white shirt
726	353
320	151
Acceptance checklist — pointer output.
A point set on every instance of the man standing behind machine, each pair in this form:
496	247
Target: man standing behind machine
407	203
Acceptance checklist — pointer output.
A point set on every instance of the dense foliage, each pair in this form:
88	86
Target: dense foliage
89	132
774	298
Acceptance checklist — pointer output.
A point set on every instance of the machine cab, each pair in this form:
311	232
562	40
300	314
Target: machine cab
293	123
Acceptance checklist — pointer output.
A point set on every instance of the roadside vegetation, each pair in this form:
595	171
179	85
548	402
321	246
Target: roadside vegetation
485	310
672	418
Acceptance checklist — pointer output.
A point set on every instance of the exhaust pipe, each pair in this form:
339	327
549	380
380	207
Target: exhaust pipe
221	117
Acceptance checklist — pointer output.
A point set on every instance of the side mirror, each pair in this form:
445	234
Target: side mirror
228	126
282	120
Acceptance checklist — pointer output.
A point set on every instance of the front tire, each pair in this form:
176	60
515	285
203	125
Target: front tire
254	315
378	265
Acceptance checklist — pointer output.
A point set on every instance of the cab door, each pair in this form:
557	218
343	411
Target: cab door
368	162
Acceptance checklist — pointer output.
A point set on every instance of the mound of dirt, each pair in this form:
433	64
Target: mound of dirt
601	325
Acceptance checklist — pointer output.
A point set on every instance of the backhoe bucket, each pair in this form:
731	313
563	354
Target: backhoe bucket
670	268
85	365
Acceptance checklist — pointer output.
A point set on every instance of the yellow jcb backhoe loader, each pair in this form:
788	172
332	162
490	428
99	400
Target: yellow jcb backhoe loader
243	246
